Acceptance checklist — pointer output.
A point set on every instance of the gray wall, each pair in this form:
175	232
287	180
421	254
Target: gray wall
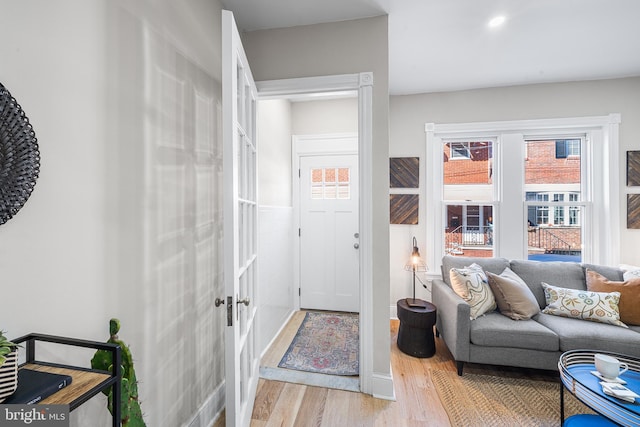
340	48
124	98
592	98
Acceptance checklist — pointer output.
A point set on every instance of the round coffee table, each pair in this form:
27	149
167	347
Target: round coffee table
415	334
575	372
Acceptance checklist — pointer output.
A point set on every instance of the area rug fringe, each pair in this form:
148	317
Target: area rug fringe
488	400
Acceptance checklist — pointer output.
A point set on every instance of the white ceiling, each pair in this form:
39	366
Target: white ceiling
444	45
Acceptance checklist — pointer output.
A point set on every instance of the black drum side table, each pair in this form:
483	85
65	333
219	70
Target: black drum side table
415	335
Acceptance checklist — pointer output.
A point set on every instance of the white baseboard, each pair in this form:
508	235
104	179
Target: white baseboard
284	323
383	386
210	410
393	312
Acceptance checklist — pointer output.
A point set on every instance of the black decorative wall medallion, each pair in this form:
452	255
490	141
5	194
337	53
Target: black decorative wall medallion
19	156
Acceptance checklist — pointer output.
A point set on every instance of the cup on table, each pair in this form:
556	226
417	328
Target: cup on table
609	367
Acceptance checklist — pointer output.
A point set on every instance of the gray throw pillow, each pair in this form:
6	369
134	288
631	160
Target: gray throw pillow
513	296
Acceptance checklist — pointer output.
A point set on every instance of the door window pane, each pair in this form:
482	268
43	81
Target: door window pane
331	183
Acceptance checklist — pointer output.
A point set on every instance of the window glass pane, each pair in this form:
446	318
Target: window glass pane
468	170
330	175
551	166
344	191
459	150
552	174
316	175
330	192
469	230
343	175
316	192
330	183
558	238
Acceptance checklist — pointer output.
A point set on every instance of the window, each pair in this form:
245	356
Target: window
469	192
330	183
459	150
531	195
553	178
567	147
558	211
574	211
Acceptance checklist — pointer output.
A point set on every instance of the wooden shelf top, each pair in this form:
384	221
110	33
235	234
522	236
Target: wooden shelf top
82	382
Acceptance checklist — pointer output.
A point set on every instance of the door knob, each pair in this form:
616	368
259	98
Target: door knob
219	302
356	245
245	301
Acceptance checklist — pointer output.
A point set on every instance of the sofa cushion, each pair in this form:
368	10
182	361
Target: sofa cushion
494	265
471	284
564	274
513	297
629	295
582	304
576	334
496	330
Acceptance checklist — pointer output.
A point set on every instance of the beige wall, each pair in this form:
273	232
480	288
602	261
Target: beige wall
593	98
341	48
331	116
102	82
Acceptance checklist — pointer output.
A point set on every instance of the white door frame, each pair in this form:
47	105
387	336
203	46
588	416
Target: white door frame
363	84
312	145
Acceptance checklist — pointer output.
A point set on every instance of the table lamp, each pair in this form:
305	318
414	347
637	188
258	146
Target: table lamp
415	264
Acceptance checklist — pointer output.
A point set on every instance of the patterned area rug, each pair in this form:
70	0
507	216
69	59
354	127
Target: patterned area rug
327	343
487	400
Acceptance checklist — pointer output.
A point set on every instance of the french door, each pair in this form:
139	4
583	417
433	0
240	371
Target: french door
240	226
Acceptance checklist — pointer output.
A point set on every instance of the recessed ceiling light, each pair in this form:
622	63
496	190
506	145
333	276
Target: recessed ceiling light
497	21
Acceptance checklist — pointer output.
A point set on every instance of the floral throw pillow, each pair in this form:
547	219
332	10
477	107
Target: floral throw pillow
580	304
472	285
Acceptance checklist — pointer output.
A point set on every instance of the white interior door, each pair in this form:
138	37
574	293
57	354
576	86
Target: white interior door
240	226
329	235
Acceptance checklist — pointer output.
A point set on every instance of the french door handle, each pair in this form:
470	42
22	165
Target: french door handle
219	301
356	245
245	301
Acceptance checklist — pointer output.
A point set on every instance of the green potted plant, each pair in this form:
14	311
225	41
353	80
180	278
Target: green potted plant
8	367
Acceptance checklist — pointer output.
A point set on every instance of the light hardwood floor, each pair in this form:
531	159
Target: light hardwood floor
417	402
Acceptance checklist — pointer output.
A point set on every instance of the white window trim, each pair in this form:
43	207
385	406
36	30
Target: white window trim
604	187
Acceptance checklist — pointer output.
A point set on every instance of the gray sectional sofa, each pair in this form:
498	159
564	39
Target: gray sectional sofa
534	343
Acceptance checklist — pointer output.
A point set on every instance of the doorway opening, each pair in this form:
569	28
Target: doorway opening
279	204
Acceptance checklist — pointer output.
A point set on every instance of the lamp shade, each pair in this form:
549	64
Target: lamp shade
415	264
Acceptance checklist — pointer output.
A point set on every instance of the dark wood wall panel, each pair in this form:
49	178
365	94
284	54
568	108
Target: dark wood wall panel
633	168
404	208
633	211
404	172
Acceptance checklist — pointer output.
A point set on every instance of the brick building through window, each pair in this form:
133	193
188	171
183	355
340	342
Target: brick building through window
552	174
